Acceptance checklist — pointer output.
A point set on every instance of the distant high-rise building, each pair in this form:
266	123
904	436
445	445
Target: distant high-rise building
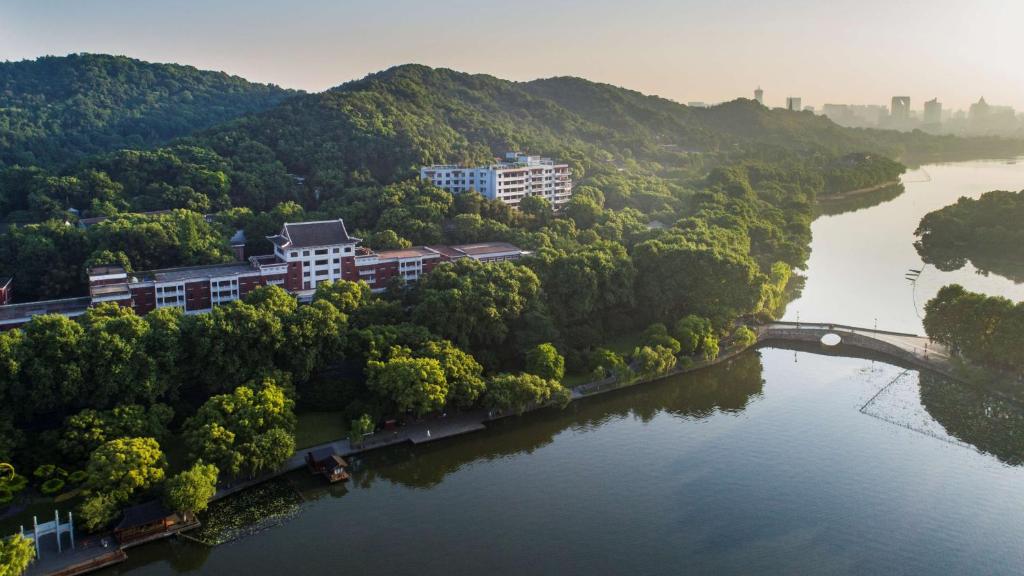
933	111
979	110
900	108
794	103
759	96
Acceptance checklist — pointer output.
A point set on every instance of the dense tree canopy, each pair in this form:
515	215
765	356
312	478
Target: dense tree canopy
57	109
247	431
986	231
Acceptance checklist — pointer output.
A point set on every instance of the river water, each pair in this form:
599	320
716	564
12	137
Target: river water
783	461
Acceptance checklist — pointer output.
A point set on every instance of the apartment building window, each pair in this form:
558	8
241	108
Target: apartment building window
305	252
294	254
336	250
321	262
306	274
321	252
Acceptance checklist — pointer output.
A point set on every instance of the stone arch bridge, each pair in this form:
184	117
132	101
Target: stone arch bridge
916	350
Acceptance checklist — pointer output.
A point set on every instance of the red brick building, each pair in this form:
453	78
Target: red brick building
305	254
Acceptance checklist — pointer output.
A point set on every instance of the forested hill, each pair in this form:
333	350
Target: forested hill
55	110
381	128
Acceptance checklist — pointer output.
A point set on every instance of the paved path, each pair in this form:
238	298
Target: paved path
418	432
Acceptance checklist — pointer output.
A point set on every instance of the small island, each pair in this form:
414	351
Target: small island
986	232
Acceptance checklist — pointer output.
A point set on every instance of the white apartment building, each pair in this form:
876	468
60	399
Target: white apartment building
510	181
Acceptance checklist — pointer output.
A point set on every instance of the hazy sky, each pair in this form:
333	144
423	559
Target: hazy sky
843	51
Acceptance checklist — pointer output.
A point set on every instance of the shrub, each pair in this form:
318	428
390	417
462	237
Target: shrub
77	477
52	486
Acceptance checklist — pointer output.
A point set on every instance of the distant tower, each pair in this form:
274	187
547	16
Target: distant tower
900	110
794	103
759	96
933	111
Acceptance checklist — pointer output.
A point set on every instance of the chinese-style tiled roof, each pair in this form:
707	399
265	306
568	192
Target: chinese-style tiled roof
309	234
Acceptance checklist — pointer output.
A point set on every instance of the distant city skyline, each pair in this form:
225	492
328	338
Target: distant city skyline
685	50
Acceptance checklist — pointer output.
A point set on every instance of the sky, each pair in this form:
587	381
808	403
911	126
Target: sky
837	51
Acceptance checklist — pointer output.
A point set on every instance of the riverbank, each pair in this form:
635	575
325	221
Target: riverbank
859	191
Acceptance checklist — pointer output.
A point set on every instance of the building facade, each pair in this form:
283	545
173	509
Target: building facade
933	111
305	255
510	181
794	104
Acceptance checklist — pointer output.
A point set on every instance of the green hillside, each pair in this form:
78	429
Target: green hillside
55	110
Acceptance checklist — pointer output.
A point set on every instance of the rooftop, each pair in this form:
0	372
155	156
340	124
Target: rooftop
309	234
412	252
484	248
104	269
196	272
143	514
5	281
67	306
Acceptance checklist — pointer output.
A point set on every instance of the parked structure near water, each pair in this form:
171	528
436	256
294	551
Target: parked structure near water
305	255
518	177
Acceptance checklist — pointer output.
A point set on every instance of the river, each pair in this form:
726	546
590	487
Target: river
782	461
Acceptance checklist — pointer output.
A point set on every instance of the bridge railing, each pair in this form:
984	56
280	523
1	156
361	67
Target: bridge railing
824	326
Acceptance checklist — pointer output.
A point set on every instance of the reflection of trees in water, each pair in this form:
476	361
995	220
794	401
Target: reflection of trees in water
725	388
832	206
988	422
953	259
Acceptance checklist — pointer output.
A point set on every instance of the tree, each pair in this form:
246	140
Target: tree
705	271
537	211
359	428
657	335
236	342
315	335
267	450
521	391
190	491
416	384
50	358
272	299
656	361
116	365
696	335
582	210
124	466
87	430
744	337
346	296
233	431
16	553
98	510
544	360
476	306
462	372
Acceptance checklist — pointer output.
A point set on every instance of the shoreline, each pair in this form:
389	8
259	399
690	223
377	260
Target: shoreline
425	431
850	193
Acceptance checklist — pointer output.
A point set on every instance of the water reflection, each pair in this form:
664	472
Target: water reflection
728	388
855	202
989	422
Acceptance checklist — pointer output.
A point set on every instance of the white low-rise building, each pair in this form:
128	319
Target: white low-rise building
510	181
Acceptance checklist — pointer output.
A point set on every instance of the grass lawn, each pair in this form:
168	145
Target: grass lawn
314	428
